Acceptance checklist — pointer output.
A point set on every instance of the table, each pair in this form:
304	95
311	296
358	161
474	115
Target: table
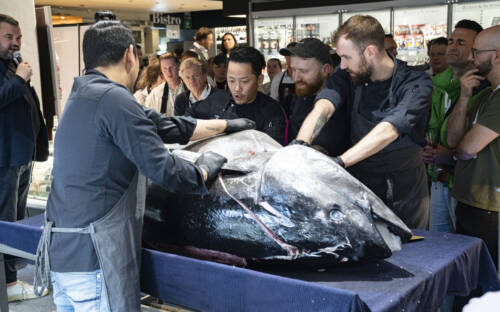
417	278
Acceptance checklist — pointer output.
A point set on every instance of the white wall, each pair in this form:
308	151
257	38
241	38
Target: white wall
24	12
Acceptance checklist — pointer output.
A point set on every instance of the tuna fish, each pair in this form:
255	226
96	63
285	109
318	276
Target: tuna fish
294	205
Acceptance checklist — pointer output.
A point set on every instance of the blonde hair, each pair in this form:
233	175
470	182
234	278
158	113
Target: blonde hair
192	62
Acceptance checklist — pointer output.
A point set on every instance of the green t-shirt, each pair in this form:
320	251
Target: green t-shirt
477	179
446	92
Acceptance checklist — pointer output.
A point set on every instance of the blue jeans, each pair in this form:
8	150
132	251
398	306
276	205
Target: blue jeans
442	209
79	292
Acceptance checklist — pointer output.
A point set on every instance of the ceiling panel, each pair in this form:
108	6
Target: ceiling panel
169	6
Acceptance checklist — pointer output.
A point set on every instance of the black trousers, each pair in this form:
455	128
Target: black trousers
15	182
479	223
405	192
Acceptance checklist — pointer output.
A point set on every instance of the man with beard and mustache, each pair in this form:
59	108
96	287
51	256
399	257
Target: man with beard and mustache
23	139
474	133
387	105
311	63
437	153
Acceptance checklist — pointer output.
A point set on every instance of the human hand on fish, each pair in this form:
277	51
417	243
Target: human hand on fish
210	163
239	124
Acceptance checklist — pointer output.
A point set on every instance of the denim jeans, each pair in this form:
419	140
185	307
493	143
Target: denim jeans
442	209
79	292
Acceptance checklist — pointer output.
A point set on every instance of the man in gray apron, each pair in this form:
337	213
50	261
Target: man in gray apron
106	144
388	105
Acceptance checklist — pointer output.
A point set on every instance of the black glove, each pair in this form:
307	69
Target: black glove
235	125
338	161
211	162
298	142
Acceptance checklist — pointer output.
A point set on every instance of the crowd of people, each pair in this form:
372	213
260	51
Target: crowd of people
424	139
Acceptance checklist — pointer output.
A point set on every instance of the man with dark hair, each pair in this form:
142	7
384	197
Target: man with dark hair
273	68
244	68
390	45
437	153
194	75
474	131
283	86
23	139
188	54
162	98
388	107
310	60
204	38
219	67
106	143
436	50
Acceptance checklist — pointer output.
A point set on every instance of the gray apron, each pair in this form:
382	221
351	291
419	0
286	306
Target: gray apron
117	242
397	177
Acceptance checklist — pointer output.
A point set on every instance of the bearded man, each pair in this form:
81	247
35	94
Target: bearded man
387	104
311	64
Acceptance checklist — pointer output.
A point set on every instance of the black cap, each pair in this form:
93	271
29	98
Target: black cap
309	48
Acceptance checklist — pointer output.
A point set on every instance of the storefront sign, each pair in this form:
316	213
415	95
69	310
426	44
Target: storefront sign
166	19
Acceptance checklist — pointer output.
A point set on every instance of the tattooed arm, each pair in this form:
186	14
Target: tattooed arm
206	128
379	137
314	122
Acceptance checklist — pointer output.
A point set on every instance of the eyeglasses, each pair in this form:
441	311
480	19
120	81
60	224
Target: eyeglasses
475	52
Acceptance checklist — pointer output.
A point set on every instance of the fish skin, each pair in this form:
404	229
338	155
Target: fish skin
301	195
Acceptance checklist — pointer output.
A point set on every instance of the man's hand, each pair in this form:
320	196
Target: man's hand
468	82
210	163
439	155
239	124
24	71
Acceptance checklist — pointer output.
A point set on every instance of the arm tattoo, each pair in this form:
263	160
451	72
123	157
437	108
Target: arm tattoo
319	125
212	129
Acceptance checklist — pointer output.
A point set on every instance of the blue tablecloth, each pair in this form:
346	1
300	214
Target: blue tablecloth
416	278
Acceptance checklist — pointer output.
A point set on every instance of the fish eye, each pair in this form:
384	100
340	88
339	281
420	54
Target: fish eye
336	215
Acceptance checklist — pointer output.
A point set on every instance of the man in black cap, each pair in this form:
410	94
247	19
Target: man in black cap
311	64
387	104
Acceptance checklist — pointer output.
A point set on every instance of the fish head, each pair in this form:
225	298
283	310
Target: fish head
312	203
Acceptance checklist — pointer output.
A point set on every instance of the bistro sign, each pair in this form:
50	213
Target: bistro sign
166	19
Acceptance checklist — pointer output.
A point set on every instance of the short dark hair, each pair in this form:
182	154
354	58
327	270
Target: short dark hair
9	20
202	33
362	30
275	60
440	40
105	42
220	59
389	36
250	56
469	24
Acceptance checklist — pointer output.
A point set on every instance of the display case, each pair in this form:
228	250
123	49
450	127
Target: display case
321	27
240	32
415	27
485	13
272	34
383	17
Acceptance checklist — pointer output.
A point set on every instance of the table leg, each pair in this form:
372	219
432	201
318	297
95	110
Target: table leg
4	302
